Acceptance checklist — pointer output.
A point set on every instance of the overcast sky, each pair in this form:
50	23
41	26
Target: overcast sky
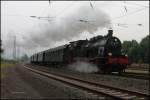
129	20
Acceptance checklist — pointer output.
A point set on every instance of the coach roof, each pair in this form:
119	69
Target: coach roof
57	48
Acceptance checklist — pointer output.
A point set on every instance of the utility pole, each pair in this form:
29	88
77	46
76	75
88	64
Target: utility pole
18	53
14	48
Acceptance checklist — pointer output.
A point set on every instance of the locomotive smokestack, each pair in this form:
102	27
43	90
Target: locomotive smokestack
110	33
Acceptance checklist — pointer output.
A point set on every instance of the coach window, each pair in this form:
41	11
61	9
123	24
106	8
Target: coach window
58	52
51	53
101	51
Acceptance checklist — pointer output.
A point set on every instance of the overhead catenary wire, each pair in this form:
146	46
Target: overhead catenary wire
80	20
115	18
117	24
56	16
90	21
125	7
128	14
91	5
49	2
65	9
40	17
131	3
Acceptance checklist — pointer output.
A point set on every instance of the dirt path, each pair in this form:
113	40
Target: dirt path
12	86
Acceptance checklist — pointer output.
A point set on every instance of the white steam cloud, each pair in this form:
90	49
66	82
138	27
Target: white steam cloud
82	18
84	67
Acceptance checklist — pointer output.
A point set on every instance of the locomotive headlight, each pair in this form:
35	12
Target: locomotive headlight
110	54
126	55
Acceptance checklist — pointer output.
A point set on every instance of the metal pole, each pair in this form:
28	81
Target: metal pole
14	50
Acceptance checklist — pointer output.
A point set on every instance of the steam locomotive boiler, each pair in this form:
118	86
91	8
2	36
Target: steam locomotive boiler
103	51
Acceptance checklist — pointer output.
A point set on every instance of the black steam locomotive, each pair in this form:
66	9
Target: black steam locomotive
103	51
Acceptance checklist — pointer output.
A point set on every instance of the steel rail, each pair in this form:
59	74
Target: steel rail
144	76
93	87
132	75
136	76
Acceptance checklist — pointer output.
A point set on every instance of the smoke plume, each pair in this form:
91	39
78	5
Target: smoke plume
84	67
65	27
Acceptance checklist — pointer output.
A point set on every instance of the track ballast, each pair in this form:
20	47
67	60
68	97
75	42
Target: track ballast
92	87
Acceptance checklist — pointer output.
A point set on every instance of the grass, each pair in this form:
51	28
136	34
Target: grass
3	75
5	65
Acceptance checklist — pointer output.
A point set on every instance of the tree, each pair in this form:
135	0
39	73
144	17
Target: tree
144	50
1	50
137	52
126	46
131	49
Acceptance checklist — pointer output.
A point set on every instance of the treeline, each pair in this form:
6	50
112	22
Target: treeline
137	52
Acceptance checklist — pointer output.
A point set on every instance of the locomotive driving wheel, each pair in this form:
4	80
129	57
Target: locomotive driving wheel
105	70
120	72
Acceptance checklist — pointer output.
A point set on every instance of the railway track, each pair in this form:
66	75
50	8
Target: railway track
137	76
144	76
133	75
95	88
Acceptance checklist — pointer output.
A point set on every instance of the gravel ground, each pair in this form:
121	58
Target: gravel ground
21	83
115	81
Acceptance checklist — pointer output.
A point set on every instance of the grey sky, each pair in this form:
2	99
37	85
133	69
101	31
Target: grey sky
15	20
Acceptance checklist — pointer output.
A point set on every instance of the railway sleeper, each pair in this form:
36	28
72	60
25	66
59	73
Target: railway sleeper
122	95
95	96
130	97
116	94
